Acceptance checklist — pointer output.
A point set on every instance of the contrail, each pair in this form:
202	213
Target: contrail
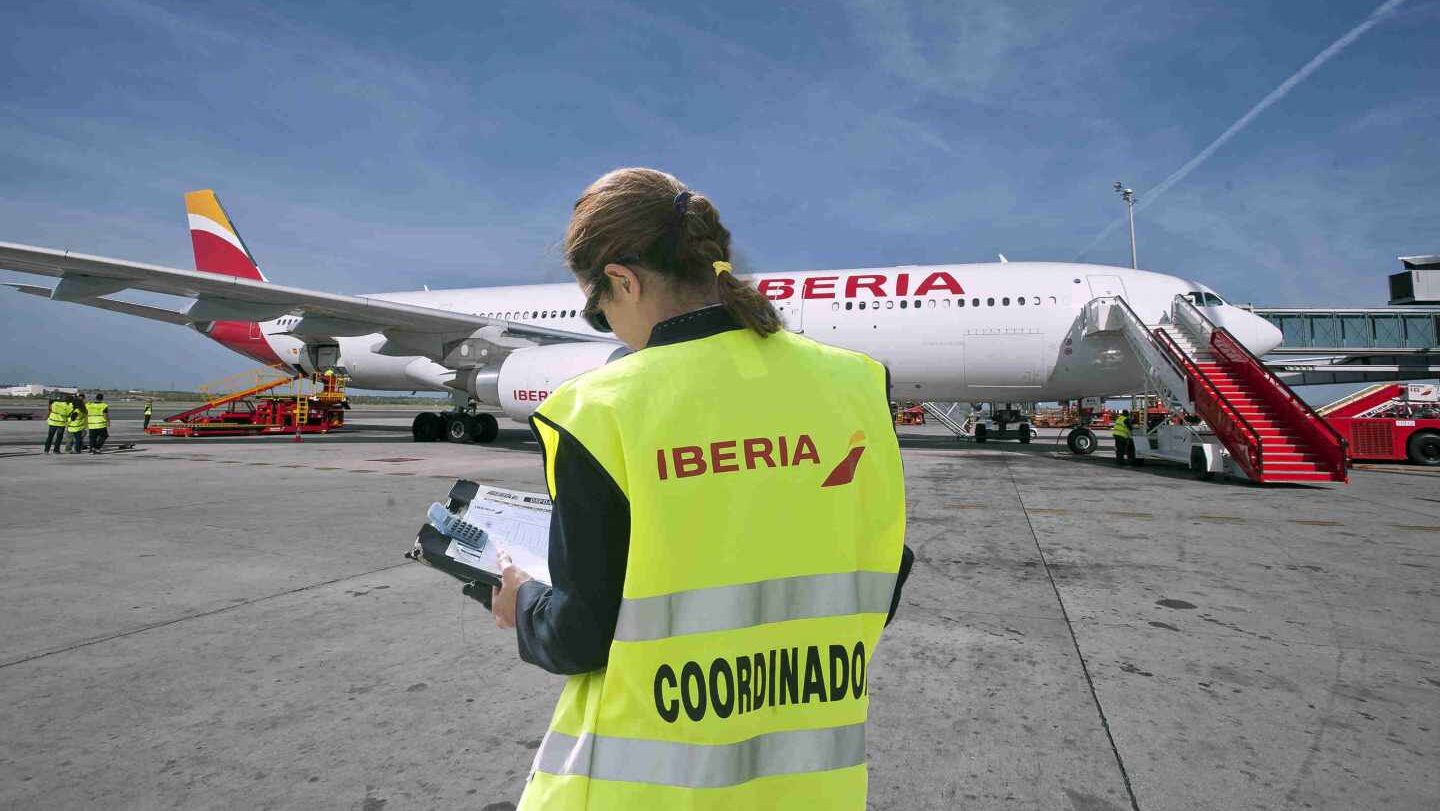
1244	121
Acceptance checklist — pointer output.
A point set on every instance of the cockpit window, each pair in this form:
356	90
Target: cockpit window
1201	298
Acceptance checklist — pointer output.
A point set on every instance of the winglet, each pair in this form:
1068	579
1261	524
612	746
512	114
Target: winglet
218	246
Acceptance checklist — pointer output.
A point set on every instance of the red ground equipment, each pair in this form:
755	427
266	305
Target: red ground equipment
255	402
1391	421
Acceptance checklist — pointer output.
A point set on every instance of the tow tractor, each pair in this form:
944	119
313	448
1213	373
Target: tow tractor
258	402
1000	417
1390	422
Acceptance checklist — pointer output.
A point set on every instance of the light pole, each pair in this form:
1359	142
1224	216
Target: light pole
1128	195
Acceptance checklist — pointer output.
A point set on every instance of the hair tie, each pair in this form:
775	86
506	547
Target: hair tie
720	267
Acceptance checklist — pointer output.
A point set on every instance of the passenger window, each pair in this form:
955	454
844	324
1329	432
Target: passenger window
904	303
917	304
947	302
989	302
1052	300
930	304
1020	300
834	305
974	302
1035	300
889	305
959	302
849	304
862	305
1005	302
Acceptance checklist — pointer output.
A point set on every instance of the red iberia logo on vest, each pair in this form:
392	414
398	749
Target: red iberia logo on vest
740	455
844	473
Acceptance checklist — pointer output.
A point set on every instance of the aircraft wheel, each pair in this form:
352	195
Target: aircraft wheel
1424	449
982	433
1024	429
1081	441
426	427
486	428
1197	465
460	428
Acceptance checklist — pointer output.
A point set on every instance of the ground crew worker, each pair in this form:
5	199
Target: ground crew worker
1124	444
59	416
98	422
727	536
148	404
76	426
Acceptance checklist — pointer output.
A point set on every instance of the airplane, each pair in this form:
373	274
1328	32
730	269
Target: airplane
996	332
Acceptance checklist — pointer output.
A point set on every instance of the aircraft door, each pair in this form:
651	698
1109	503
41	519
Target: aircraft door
792	312
324	356
1105	285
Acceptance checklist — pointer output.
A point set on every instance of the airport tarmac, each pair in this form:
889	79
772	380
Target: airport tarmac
229	623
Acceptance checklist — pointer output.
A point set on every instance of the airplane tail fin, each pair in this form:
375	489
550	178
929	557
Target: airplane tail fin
218	246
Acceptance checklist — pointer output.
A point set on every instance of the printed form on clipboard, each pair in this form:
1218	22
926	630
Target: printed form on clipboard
480	520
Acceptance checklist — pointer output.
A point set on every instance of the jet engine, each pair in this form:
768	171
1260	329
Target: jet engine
527	376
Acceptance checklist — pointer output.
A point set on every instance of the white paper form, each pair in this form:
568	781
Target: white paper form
497	518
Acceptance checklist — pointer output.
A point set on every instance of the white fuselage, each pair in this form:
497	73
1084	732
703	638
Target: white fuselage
990	332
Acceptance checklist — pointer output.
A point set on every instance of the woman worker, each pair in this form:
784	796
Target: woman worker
727	536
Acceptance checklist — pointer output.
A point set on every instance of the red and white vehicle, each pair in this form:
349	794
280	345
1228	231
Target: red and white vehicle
1390	422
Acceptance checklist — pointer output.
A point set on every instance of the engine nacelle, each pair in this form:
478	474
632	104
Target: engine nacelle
527	376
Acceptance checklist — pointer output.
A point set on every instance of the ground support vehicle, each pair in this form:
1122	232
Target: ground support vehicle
1390	422
314	404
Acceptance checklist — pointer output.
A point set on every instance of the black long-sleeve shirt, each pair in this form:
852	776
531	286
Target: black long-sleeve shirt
567	627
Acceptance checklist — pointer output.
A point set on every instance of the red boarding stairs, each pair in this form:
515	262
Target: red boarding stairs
1271	433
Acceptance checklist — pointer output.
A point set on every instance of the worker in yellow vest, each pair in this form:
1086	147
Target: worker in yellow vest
727	540
1124	444
98	422
148	411
76	426
56	420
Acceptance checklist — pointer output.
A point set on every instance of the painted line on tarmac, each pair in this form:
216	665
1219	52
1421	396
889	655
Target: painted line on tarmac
1075	641
212	612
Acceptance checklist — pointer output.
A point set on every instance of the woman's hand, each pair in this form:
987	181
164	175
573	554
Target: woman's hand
502	598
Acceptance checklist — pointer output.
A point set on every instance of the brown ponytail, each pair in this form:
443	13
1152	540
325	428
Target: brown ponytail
650	216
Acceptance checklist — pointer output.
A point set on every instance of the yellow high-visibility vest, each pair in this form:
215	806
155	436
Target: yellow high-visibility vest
97	415
147	409
1121	428
767	520
77	420
59	413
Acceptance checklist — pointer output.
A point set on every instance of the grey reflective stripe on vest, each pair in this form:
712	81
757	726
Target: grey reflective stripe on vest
726	607
695	765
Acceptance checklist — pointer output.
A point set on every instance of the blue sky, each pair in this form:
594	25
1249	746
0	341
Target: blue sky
367	147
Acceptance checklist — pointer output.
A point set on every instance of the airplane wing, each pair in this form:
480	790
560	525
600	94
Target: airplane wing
113	305
410	329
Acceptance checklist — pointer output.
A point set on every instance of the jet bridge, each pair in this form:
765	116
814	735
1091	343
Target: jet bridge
1354	344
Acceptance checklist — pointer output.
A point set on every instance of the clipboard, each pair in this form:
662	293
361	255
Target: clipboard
461	536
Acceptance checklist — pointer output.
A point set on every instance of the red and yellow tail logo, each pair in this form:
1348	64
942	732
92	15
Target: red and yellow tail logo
218	246
844	473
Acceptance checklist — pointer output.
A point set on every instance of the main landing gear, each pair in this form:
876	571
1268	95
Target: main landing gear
1081	441
454	426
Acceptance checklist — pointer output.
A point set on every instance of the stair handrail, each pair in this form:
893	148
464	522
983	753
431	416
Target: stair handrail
1222	415
1135	323
944	418
1227	346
